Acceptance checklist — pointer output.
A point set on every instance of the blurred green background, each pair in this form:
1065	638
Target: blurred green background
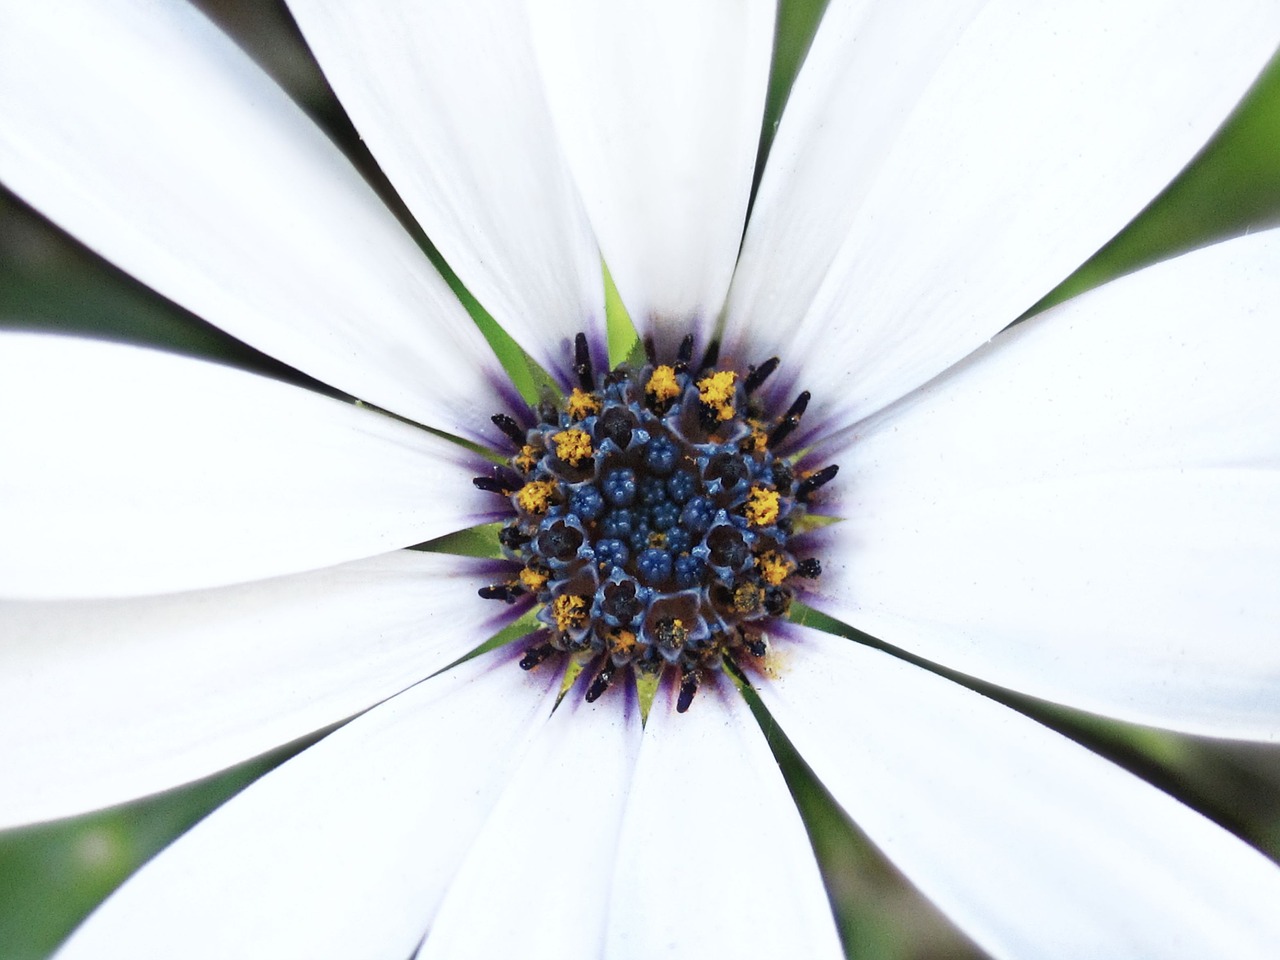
51	875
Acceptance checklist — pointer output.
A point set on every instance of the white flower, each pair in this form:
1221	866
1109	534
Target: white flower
204	563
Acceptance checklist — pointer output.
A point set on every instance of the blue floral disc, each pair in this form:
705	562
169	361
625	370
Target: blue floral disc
654	520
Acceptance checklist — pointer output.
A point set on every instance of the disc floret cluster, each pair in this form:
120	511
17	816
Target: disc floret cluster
654	519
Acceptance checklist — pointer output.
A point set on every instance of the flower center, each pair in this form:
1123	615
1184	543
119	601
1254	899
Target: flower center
654	519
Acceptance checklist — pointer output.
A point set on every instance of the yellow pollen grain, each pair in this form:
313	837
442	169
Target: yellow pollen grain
569	611
747	598
762	506
623	642
716	392
774	568
678	630
581	404
573	446
533	580
658	539
526	459
662	385
535	496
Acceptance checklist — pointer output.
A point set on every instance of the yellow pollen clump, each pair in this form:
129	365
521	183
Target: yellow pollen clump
662	385
535	496
762	506
759	437
677	631
533	580
622	641
747	597
572	446
716	392
774	568
569	610
526	459
581	404
657	539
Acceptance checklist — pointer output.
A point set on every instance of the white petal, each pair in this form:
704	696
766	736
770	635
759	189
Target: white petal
536	883
659	108
1033	845
1086	509
866	69
132	471
714	860
102	701
448	96
147	134
1043	131
345	850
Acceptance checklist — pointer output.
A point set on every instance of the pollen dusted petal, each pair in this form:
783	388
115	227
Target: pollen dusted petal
1033	845
448	97
347	849
539	873
131	471
737	821
1004	174
1086	509
192	171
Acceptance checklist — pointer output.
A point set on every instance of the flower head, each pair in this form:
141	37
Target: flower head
226	548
